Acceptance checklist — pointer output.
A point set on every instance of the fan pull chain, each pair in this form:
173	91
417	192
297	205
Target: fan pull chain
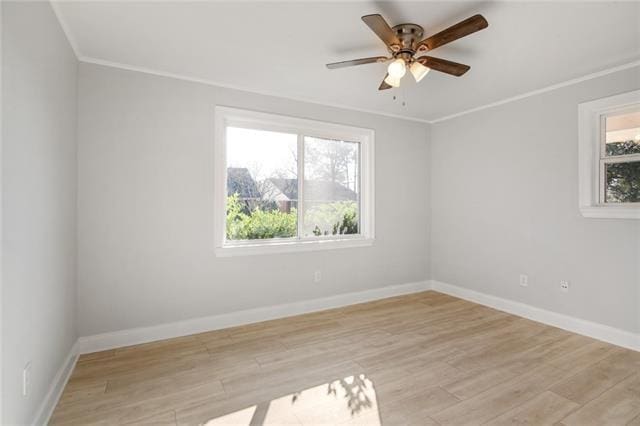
395	98
404	96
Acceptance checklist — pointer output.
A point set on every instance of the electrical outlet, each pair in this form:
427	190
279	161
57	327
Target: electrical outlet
26	379
317	277
564	286
524	280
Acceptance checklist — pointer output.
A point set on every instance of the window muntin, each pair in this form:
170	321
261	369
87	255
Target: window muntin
619	167
283	184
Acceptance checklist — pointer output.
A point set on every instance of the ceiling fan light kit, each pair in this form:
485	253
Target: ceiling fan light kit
404	42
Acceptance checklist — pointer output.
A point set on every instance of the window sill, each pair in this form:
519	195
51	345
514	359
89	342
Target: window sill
291	247
611	212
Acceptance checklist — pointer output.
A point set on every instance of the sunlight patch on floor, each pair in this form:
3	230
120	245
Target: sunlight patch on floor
240	417
345	400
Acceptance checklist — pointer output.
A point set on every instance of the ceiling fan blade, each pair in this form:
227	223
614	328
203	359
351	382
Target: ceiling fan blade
459	30
384	85
357	62
443	65
379	26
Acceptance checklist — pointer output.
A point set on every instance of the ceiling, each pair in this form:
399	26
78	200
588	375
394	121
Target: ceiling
280	48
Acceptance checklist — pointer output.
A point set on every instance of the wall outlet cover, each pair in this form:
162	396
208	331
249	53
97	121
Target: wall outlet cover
26	379
524	280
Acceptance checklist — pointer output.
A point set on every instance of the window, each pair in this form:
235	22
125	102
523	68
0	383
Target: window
289	184
609	152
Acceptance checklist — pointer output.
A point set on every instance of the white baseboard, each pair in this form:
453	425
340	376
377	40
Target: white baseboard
597	331
134	336
57	386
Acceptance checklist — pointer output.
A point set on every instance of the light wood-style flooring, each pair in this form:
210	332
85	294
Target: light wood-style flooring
423	359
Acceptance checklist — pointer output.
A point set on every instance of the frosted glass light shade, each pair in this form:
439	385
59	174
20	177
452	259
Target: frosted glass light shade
418	70
397	68
392	81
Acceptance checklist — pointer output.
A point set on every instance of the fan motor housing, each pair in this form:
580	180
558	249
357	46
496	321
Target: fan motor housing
409	35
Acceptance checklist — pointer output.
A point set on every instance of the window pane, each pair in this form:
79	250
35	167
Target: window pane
262	189
623	134
331	187
622	182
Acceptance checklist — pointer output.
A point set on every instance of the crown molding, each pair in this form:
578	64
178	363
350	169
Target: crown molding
566	83
129	67
96	61
65	28
82	58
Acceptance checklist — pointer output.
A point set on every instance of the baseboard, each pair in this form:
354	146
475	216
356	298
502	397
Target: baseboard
134	336
57	386
591	329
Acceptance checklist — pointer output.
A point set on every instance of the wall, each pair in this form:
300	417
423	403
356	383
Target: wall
145	207
504	197
39	203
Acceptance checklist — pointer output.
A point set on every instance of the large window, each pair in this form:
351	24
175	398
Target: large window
288	184
609	136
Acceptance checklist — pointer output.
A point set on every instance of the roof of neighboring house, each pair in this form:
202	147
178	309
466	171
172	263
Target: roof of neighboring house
315	190
239	181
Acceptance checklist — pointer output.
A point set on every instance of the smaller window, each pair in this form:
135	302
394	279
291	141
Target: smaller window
609	155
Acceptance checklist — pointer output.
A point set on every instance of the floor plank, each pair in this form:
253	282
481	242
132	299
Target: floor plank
545	409
617	406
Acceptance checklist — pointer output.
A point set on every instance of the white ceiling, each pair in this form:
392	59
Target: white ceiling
281	47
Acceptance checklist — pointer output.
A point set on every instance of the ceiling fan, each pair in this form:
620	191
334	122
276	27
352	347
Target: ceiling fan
404	43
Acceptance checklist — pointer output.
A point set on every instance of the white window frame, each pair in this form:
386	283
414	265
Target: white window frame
234	117
591	131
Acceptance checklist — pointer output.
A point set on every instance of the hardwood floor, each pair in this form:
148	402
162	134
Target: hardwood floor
423	359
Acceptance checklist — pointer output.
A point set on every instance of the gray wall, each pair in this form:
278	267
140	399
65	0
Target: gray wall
145	207
504	196
39	203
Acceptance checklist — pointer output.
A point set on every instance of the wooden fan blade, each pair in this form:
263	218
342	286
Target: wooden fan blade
379	26
443	65
384	85
357	62
459	30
